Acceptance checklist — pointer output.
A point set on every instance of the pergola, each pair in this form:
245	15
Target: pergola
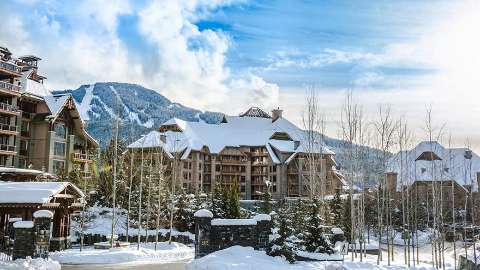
22	199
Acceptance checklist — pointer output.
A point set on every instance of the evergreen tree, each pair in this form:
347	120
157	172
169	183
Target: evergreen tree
266	200
233	203
218	202
182	212
336	209
282	243
315	240
346	219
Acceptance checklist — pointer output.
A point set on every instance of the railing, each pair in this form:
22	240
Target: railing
5	127
6	147
80	157
10	67
9	108
10	87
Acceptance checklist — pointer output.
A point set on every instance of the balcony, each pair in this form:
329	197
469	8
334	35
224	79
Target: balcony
6	149
10	69
9	109
80	157
9	88
8	129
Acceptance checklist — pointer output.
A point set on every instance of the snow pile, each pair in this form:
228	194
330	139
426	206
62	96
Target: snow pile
262	217
165	253
30	264
243	258
43	214
23	224
101	223
203	213
230	222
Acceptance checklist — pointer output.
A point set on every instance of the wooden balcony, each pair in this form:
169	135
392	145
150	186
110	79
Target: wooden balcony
80	157
8	129
9	109
9	88
6	149
10	69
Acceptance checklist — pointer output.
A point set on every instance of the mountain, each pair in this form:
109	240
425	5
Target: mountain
141	110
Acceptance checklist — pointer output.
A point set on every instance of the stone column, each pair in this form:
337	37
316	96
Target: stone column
24	241
203	219
264	226
43	226
49	146
69	151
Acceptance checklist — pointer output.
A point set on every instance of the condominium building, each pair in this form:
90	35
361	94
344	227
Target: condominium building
37	130
254	149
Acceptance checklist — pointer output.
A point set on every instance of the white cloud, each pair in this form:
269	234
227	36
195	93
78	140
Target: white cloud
80	44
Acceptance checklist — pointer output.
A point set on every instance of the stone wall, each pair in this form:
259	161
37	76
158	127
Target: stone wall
216	234
32	238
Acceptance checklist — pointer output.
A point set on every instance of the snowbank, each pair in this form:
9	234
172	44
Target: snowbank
243	258
30	264
165	253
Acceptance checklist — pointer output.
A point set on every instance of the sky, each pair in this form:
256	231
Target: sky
227	55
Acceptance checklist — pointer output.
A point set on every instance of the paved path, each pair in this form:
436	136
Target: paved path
167	266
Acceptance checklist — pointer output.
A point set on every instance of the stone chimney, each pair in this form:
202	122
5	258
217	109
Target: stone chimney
163	138
478	182
276	113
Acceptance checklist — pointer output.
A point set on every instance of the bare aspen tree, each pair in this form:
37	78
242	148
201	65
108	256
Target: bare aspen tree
314	128
351	123
114	189
140	195
384	128
159	191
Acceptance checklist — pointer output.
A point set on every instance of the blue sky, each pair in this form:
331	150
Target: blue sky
230	54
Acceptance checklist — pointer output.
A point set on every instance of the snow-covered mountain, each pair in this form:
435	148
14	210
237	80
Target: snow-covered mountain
140	109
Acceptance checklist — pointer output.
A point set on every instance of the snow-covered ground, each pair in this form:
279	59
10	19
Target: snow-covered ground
165	253
101	223
245	258
30	264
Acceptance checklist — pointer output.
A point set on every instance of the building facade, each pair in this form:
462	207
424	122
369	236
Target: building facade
454	174
254	149
37	130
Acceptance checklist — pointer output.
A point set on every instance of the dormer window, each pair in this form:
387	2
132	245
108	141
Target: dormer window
446	169
424	170
429	156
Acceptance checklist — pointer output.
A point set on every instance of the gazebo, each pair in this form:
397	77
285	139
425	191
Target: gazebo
22	199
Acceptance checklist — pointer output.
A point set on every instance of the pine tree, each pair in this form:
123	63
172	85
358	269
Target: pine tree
181	212
336	209
234	201
267	206
282	243
218	203
315	240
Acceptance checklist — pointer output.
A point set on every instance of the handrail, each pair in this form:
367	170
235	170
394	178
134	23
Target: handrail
9	108
10	67
8	127
9	86
6	147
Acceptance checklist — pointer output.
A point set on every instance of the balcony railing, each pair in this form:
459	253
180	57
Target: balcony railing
9	108
10	87
10	67
5	127
7	148
80	157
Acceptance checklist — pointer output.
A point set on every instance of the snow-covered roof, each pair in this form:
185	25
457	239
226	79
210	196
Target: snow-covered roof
23	224
233	222
43	214
32	192
55	103
430	161
11	170
35	88
235	132
262	217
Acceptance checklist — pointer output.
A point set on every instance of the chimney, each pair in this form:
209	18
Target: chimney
276	113
163	138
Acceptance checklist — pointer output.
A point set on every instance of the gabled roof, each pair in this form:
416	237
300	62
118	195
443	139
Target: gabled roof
237	131
255	112
448	164
33	192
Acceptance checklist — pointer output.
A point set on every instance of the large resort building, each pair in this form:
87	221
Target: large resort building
253	149
454	173
37	130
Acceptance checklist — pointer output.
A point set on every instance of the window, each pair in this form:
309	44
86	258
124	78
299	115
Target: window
217	168
59	149
3	160
242	188
23	148
3	139
25	129
58	165
60	130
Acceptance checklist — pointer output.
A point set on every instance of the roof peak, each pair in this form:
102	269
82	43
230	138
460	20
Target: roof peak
255	112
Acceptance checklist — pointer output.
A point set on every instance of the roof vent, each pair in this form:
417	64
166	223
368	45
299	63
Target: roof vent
468	154
276	113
